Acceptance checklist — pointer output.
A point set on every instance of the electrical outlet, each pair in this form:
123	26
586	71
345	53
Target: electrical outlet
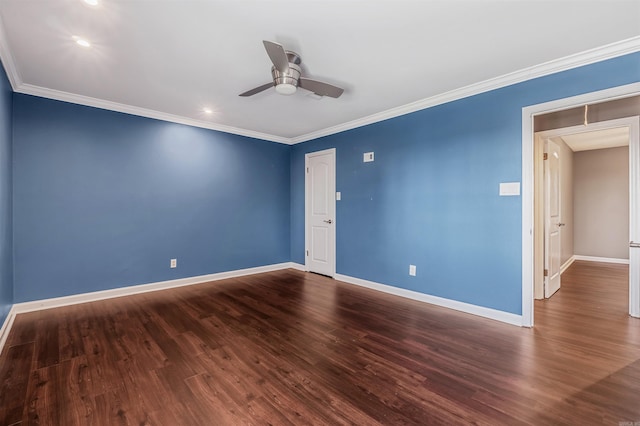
174	263
412	270
367	157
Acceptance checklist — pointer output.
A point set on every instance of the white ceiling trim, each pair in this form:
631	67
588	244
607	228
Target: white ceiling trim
59	95
7	60
18	86
573	61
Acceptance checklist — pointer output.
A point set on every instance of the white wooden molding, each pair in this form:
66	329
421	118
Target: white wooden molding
601	259
23	307
6	327
598	54
7	60
43	92
142	288
37	305
573	61
528	114
566	264
57	302
297	266
468	308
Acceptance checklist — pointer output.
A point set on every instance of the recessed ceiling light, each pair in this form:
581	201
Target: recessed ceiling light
91	2
82	42
207	110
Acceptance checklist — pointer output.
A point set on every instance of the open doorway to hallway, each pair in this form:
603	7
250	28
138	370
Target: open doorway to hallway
582	113
581	201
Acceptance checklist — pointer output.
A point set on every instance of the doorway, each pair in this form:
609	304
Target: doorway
320	212
529	230
585	166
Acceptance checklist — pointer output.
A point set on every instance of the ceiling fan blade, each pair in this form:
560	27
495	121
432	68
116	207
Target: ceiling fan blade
257	89
320	88
277	55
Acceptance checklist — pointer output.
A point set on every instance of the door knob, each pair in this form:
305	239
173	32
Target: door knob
328	221
561	224
634	245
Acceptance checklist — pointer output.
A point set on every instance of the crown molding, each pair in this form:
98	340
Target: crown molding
59	95
7	60
598	54
587	57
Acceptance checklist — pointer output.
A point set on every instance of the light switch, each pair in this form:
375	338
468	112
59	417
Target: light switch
338	196
368	157
412	270
509	188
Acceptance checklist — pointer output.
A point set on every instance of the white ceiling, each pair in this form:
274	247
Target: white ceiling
169	59
598	139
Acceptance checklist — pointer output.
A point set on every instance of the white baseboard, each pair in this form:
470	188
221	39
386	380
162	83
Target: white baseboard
6	327
57	302
298	266
143	288
601	259
481	311
566	264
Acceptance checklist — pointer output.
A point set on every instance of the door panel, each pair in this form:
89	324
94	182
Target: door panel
319	244
319	186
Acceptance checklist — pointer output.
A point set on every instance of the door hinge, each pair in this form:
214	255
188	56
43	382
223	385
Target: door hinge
546	272
308	168
545	156
307	252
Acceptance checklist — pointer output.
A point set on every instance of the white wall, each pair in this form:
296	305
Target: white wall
601	203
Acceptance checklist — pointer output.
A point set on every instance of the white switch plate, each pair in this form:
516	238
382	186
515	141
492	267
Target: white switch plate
174	263
368	157
509	188
338	196
412	270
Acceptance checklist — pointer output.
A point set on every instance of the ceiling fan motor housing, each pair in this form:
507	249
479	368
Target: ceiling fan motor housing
286	82
286	75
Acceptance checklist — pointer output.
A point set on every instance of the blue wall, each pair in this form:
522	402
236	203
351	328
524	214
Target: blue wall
6	242
431	196
104	200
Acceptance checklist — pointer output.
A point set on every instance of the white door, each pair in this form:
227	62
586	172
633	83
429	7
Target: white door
552	223
634	218
320	208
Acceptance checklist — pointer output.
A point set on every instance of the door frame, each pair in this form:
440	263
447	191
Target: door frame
528	228
307	207
632	123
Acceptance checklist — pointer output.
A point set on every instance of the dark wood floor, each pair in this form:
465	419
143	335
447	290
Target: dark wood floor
294	348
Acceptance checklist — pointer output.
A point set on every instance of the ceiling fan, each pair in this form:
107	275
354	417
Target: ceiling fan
286	75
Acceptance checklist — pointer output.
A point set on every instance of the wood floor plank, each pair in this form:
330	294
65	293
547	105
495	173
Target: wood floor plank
14	372
288	347
76	403
42	403
48	349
